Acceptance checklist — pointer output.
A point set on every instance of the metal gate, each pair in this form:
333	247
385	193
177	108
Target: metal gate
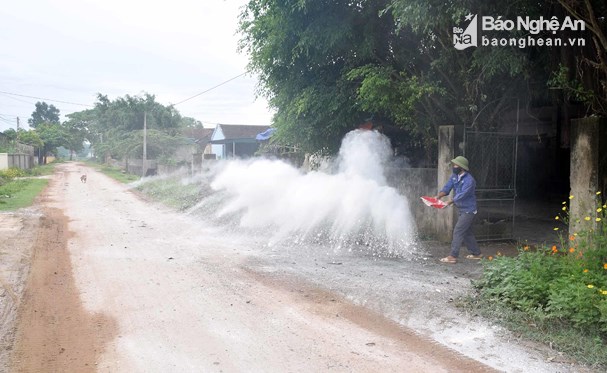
492	157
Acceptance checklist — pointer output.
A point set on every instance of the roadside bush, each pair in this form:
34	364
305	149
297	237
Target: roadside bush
12	173
565	284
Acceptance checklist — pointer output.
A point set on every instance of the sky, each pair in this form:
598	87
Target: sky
70	50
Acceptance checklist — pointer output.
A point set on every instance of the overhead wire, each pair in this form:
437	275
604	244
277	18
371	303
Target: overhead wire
45	99
9	94
210	89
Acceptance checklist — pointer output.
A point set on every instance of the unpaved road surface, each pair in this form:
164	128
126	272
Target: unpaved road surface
117	284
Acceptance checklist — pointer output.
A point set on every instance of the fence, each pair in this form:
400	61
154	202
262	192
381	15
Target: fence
493	158
23	161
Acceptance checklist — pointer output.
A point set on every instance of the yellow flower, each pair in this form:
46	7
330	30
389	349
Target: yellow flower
599	209
598	219
590	286
570	197
585	271
605	206
564	208
564	203
587	218
499	253
575	234
598	193
604	292
556	218
556	229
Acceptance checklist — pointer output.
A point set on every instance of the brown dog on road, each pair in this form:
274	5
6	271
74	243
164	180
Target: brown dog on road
83	178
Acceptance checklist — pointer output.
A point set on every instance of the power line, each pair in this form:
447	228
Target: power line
16	99
45	99
210	89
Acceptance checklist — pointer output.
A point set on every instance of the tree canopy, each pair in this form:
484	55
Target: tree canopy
327	65
44	113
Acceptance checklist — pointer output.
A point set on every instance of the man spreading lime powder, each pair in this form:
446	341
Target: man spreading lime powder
464	188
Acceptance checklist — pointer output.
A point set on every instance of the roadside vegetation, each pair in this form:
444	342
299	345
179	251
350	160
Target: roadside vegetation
19	188
556	294
115	173
172	191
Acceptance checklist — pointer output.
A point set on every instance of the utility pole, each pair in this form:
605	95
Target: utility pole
145	145
17	129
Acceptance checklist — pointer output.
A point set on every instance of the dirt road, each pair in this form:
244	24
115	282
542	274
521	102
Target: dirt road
117	284
120	285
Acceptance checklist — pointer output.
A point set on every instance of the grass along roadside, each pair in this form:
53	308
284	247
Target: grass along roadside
19	188
115	173
554	295
569	344
171	191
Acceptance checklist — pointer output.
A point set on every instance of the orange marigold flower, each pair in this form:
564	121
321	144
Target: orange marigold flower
490	258
585	271
571	250
604	265
571	238
526	248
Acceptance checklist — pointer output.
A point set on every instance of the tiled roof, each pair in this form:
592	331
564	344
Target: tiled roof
201	135
241	131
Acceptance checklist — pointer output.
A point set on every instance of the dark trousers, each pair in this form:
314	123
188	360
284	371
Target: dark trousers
462	234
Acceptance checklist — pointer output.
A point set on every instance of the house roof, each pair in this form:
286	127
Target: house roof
241	131
199	134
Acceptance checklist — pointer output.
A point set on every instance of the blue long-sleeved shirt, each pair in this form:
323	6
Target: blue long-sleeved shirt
465	188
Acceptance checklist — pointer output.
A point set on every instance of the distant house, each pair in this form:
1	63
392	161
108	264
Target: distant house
201	137
232	140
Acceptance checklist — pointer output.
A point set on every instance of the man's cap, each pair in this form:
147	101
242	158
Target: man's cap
461	161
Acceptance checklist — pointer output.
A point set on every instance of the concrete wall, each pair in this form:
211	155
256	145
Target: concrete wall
23	161
3	161
588	174
414	183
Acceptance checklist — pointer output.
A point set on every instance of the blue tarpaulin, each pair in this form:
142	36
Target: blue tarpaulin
265	135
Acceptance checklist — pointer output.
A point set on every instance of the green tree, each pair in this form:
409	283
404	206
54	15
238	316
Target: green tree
326	65
32	138
44	113
303	52
52	136
114	124
77	128
582	71
10	134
